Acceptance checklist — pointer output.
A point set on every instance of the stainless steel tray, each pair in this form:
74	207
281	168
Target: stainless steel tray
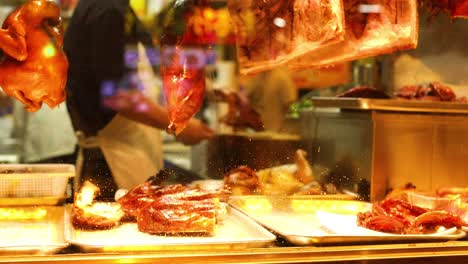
308	222
395	105
29	201
32	230
237	231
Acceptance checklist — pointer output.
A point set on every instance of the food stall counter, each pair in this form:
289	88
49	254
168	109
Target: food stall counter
441	252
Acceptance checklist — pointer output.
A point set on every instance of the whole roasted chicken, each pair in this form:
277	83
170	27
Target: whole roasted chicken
34	66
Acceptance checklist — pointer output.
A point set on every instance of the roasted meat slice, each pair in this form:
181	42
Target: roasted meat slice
373	27
240	114
456	8
144	194
385	224
364	92
400	217
460	9
174	214
453	191
433	91
97	216
88	214
242	181
271	33
34	67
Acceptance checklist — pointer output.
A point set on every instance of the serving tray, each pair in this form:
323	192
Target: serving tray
32	230
392	105
237	231
310	222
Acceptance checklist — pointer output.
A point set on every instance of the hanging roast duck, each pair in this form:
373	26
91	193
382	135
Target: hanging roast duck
182	67
34	67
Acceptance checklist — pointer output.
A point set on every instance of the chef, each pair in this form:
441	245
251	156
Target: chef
119	140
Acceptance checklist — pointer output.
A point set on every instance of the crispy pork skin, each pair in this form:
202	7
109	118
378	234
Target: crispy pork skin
373	27
272	33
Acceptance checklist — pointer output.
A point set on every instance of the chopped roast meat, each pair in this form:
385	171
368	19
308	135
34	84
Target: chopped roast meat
384	223
373	27
460	9
87	214
242	181
34	66
401	209
433	91
400	217
438	218
462	192
456	8
271	33
143	195
364	92
240	114
172	209
178	213
97	216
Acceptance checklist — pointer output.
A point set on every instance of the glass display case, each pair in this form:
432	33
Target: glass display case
233	131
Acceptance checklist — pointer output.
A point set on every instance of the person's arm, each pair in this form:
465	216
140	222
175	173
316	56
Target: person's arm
108	55
137	107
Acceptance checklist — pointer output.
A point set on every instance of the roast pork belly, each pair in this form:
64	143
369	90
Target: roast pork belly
172	209
178	213
143	195
272	33
373	27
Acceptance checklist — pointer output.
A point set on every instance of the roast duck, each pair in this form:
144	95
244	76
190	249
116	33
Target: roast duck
398	214
240	114
182	69
401	217
34	66
155	208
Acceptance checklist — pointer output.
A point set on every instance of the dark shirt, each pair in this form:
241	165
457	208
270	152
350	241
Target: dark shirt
95	43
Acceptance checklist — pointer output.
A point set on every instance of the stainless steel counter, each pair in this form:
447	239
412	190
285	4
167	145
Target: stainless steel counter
443	252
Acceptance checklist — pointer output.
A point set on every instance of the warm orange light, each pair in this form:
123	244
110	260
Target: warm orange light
347	207
258	205
209	14
49	51
18	214
86	194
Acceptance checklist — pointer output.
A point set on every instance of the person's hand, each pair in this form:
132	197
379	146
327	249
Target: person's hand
195	132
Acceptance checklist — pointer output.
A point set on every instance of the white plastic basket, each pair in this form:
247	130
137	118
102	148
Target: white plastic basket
34	180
